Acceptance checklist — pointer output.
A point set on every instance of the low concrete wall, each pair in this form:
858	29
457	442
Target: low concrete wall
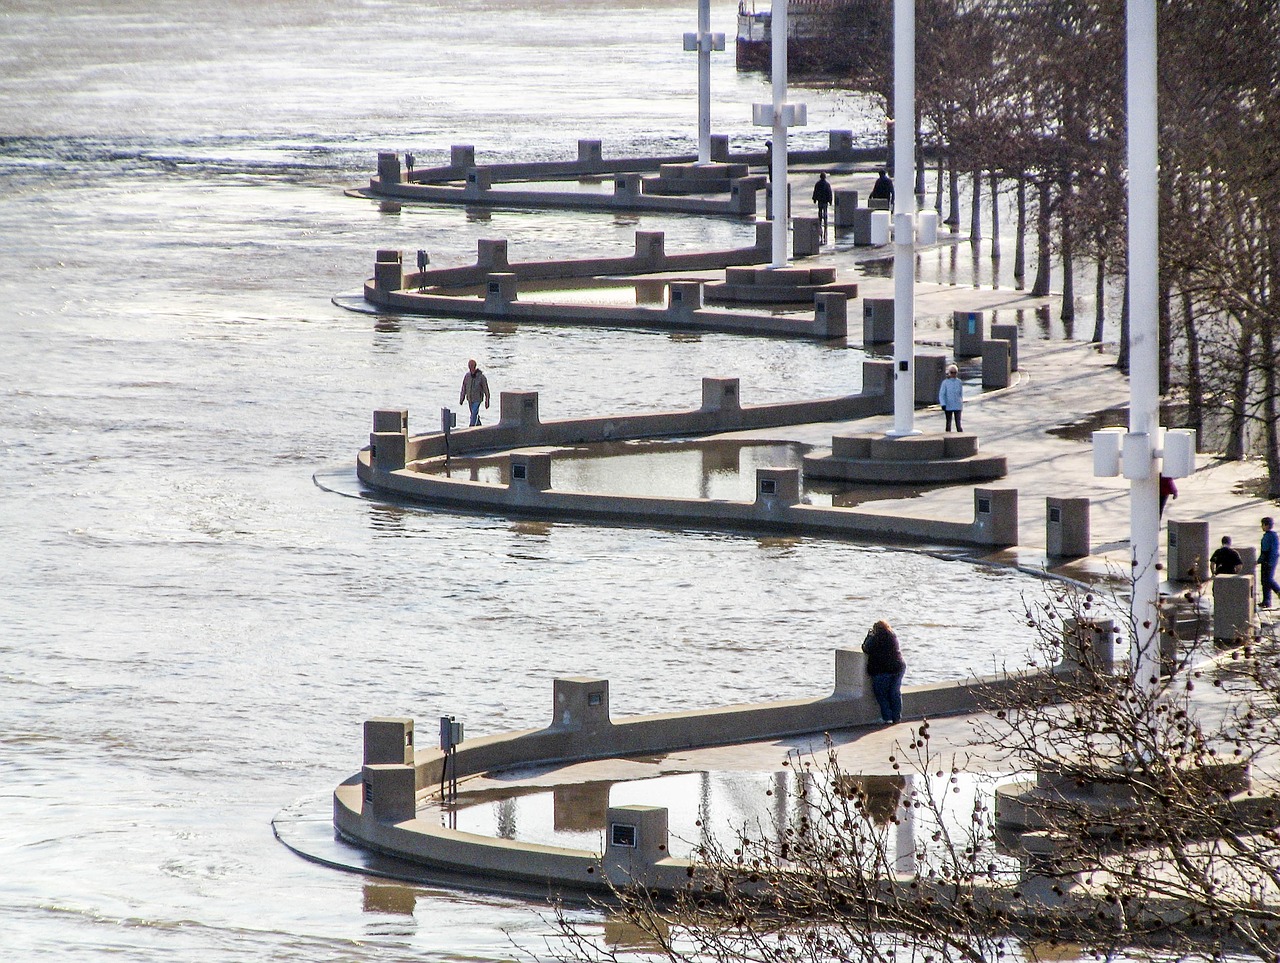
376	809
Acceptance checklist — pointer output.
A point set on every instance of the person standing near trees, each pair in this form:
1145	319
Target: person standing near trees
822	197
885	668
475	389
1267	552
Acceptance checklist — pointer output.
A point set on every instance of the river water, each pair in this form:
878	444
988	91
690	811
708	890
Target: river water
193	628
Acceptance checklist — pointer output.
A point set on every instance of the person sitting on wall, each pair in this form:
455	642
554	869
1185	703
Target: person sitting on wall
883	189
1225	560
885	668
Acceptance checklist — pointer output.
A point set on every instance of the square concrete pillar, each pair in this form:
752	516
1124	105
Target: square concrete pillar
743	195
843	203
391	419
530	472
388	275
777	487
590	152
580	702
931	370
627	185
1248	559
862	226
1234	615
1188	551
720	148
995	516
720	394
390	793
635	839
1088	642
877	379
831	313
462	156
968	331
877	321
388	741
684	298
477	181
851	674
1066	527
518	409
806	236
651	245
388	168
996	370
500	291
491	254
1007	332
388	450
840	141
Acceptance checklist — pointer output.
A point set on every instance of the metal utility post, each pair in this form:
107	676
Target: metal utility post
779	115
1144	333
704	42
904	210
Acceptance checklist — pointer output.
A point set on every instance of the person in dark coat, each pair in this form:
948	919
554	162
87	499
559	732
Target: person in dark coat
883	188
1226	560
822	197
885	668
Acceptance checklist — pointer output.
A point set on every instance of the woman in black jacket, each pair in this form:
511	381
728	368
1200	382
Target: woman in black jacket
885	668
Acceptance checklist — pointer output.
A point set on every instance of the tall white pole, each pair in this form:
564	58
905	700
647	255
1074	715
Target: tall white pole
904	209
704	81
1144	332
778	161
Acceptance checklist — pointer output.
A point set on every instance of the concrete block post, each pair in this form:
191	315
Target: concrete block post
519	410
831	313
931	370
491	254
744	198
529	472
996	371
1066	527
720	394
968	331
877	321
1234	616
390	793
1088	642
843	203
388	271
500	291
852	446
777	488
1007	332
389	450
462	156
580	702
995	516
764	238
590	152
862	227
720	148
391	419
629	186
851	674
477	183
840	141
635	840
1248	559
877	379
388	741
388	168
651	246
806	236
685	297
1188	551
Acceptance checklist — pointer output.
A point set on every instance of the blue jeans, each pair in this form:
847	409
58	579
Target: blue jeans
475	414
887	688
1268	565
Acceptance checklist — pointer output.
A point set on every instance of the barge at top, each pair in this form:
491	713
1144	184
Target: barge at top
810	27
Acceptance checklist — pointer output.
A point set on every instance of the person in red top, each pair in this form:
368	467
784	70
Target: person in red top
1167	490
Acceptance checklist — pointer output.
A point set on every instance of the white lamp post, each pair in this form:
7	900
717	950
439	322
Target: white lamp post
904	211
779	115
704	41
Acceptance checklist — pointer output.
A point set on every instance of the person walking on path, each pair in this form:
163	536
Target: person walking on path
885	668
1267	551
822	197
475	389
1225	560
951	396
1167	490
882	190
